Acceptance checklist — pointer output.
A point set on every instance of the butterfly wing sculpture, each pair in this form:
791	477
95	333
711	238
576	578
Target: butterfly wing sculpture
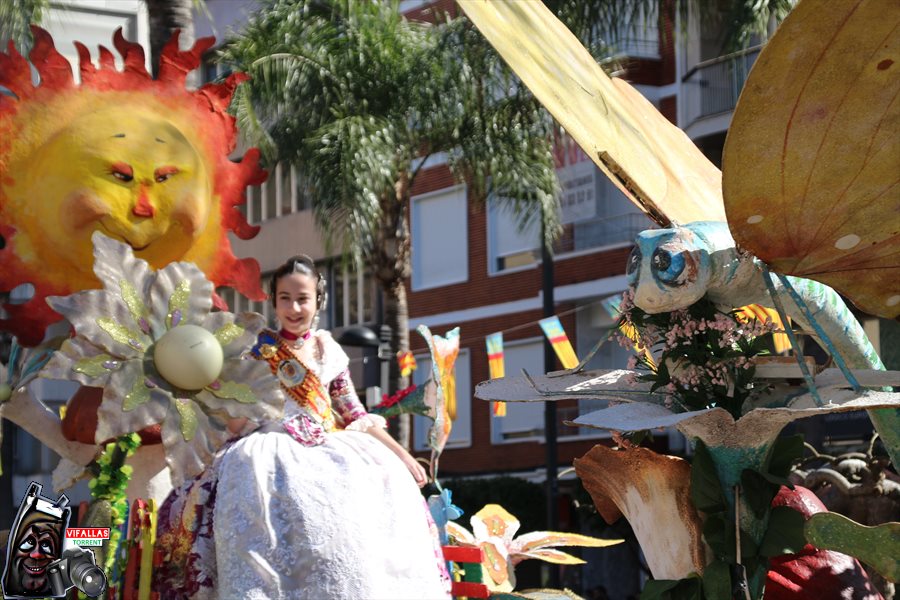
799	108
652	161
820	118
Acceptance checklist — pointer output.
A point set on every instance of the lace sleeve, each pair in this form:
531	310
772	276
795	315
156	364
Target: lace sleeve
344	399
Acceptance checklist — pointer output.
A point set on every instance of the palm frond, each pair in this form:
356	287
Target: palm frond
15	18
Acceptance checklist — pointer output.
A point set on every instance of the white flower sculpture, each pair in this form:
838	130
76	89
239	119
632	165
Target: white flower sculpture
493	530
120	329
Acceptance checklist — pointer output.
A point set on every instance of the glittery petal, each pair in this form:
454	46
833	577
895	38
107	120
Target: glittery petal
112	420
139	394
179	286
114	262
269	404
95	366
178	302
83	310
228	333
188	414
62	365
120	333
187	459
251	325
133	301
234	390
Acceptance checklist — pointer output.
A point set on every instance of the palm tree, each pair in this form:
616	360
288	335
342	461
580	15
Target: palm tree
739	21
354	95
166	17
15	18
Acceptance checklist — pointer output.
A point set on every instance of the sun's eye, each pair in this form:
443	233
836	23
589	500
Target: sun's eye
164	174
633	267
667	266
122	172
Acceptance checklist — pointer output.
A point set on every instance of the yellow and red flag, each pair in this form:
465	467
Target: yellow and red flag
554	331
495	366
407	363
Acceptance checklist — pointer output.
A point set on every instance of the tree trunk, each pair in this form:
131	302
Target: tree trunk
391	262
165	17
396	316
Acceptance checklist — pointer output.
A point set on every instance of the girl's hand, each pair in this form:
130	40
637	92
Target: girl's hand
415	468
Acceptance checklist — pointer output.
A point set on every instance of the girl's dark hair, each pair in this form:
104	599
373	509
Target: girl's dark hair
304	264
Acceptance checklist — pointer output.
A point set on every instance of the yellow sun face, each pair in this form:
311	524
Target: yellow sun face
135	177
143	161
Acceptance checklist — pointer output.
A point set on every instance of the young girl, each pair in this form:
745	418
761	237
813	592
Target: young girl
324	504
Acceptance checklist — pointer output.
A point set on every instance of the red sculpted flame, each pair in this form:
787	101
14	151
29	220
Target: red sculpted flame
143	160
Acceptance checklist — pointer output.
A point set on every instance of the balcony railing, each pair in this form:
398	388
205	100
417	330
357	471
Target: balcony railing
600	232
712	87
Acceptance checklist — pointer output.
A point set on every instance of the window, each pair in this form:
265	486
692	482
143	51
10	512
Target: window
524	421
508	247
639	39
439	238
238	303
354	296
461	433
593	324
282	193
595	213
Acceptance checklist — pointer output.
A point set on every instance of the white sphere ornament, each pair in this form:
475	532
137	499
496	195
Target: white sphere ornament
189	357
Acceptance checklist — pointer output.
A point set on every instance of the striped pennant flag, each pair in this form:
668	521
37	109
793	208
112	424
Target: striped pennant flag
554	331
496	367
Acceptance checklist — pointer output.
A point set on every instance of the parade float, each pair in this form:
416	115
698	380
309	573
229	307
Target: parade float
807	199
116	201
130	242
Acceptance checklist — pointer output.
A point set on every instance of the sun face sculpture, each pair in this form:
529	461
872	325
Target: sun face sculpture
143	161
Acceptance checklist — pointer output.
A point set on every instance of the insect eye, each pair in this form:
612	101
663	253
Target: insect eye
667	266
633	266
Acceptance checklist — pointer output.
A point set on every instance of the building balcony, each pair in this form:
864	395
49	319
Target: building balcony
710	91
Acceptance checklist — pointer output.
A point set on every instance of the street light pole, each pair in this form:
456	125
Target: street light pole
549	406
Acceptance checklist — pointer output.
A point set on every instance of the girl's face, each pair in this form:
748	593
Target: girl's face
295	302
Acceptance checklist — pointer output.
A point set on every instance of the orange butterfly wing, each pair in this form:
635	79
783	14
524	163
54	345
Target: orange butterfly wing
811	167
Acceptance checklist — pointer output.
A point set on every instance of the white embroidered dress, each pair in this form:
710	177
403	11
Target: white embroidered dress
306	509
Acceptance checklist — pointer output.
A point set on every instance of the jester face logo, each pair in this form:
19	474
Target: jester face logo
142	160
35	542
